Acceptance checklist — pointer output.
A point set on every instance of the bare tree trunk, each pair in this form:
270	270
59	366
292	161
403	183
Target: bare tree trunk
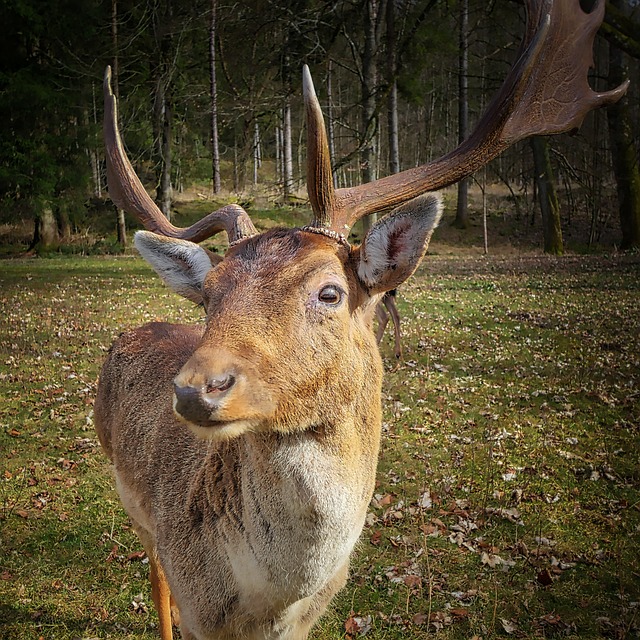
485	229
287	165
547	198
95	173
369	81
94	154
162	109
164	191
45	233
430	107
91	151
257	154
392	105
624	152
243	150
330	127
301	164
63	223
461	220
236	168
215	150
121	225
278	136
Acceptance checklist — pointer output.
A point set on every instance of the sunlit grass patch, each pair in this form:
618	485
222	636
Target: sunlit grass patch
508	493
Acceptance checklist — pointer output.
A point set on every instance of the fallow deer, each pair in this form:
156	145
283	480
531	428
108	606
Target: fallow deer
245	450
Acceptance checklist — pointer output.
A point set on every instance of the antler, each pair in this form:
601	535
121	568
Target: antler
320	188
546	92
127	192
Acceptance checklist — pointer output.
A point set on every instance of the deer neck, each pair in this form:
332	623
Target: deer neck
300	500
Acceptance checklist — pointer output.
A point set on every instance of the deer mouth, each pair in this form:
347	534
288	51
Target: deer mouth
220	430
198	415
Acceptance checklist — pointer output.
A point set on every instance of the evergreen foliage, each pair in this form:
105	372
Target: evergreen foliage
53	58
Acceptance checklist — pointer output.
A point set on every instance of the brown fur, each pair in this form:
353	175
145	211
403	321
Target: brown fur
245	537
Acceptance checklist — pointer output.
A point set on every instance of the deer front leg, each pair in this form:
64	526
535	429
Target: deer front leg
162	599
161	595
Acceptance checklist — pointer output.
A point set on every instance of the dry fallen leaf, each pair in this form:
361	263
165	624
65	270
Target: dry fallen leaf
139	605
425	501
544	578
420	618
357	625
493	560
412	581
509	626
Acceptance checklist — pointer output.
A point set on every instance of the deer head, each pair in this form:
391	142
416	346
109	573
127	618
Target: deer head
282	307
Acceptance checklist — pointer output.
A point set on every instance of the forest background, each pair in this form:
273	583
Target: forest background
210	109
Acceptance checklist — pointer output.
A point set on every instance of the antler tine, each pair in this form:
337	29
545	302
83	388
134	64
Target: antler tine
319	179
127	192
546	92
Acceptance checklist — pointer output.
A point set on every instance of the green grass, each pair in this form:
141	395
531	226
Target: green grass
508	494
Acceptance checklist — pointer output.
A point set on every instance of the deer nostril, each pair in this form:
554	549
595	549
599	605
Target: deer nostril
188	403
186	394
220	384
202	404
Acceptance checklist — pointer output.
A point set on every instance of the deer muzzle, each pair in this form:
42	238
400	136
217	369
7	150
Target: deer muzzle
217	388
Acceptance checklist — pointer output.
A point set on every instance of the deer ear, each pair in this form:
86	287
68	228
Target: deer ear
394	247
183	265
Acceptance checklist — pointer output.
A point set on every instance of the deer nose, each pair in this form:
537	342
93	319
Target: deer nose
199	404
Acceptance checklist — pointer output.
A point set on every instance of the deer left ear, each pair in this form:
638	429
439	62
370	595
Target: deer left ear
183	265
394	247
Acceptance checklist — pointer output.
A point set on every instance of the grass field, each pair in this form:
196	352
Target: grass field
508	495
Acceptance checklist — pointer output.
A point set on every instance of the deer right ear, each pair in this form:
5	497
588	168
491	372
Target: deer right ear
394	247
183	265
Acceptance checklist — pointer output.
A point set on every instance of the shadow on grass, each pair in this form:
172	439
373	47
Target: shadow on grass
22	621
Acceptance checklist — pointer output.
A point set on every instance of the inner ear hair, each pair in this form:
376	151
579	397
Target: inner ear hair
394	247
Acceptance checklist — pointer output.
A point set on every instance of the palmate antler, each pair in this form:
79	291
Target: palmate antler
546	92
127	192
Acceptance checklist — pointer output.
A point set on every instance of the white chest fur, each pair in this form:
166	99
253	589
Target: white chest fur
305	524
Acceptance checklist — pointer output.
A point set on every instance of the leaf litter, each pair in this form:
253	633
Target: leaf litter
508	487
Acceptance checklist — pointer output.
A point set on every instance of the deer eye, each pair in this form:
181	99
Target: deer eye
330	294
